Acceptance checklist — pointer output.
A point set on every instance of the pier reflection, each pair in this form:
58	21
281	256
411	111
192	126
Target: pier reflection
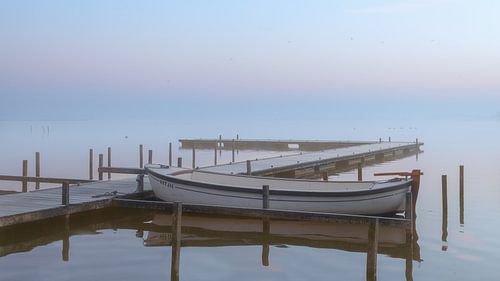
159	230
373	239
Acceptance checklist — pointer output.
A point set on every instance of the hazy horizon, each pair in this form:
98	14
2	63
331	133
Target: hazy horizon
95	60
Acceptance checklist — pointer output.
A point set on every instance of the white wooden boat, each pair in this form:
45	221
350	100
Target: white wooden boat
346	197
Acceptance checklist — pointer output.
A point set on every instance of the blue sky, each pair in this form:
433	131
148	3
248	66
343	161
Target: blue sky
75	53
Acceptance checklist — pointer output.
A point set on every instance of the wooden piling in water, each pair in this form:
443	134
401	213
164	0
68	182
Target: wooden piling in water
150	156
25	174
179	162
101	163
461	187
109	161
232	151
141	156
37	169
249	167
140	182
371	259
215	155
194	157
91	164
444	190
176	240
65	194
170	154
266	231
265	196
360	172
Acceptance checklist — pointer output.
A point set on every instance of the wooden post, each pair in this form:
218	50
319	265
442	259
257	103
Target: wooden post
101	160
444	189
65	194
389	139
461	185
232	151
265	196
141	156
140	183
266	229
91	164
408	206
37	169
249	167
215	155
371	259
170	154
65	240
179	162
360	172
150	156
109	161
325	176
194	158
25	174
176	240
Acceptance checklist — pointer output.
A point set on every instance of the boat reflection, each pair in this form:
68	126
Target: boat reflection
155	229
205	231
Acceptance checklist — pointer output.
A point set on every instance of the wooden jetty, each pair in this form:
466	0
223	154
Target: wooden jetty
48	203
86	195
318	161
268	144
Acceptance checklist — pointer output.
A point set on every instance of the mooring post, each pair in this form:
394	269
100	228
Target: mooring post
444	185
141	156
265	196
101	162
266	229
179	162
232	151
360	172
140	182
371	259
325	176
249	167
461	183
150	156
65	240
25	174
37	169
176	240
215	155
65	194
408	206
91	164
194	157
170	154
109	161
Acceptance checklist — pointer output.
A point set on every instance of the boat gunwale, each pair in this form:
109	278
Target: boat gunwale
172	178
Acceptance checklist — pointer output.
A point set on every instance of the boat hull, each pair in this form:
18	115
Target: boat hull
169	188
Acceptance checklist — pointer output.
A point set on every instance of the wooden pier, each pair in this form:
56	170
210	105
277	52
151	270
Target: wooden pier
317	161
85	195
268	144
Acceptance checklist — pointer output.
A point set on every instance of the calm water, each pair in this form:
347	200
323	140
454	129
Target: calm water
129	246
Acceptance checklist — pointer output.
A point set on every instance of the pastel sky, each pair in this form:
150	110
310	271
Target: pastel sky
71	50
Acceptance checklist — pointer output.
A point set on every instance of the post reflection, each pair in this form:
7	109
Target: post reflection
396	242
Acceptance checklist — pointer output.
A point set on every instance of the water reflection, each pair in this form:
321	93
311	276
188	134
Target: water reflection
155	230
